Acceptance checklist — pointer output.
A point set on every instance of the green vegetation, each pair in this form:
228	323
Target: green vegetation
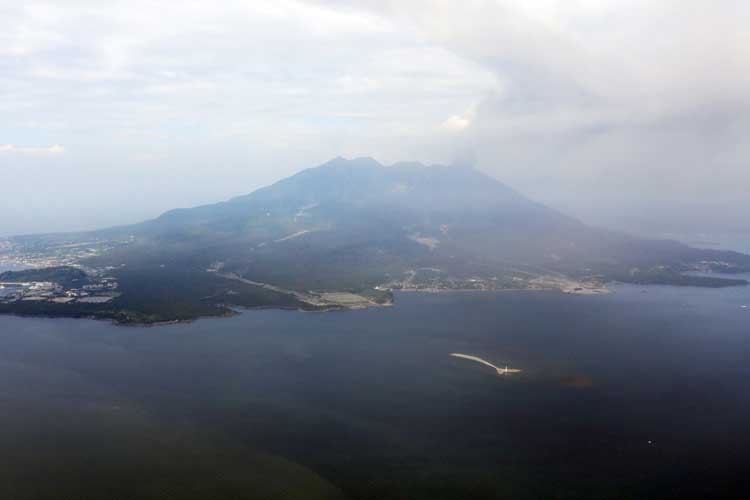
377	296
164	294
349	226
64	275
151	296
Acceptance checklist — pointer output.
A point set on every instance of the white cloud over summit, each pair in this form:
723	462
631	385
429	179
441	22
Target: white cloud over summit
572	101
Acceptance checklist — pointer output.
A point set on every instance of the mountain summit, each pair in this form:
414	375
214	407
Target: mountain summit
356	228
356	223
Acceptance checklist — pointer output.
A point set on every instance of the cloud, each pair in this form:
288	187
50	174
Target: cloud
562	99
55	149
456	122
461	121
641	102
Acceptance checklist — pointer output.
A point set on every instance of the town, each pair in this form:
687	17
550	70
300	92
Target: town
94	290
53	273
21	253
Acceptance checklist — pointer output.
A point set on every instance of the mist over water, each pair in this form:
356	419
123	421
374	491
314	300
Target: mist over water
636	393
736	242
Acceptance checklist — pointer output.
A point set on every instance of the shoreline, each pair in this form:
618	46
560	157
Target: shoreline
590	291
234	310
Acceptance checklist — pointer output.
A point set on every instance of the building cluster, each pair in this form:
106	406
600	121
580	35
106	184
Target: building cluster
98	292
36	255
435	280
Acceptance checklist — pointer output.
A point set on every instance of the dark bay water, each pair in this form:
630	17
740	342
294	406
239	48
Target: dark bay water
641	393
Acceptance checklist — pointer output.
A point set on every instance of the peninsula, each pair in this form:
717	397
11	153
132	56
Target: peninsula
343	235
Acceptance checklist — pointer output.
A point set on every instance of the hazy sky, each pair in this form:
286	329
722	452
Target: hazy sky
630	113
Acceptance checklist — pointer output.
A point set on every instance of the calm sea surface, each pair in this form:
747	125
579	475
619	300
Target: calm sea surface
641	393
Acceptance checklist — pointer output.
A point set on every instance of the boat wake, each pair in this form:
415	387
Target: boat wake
500	371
